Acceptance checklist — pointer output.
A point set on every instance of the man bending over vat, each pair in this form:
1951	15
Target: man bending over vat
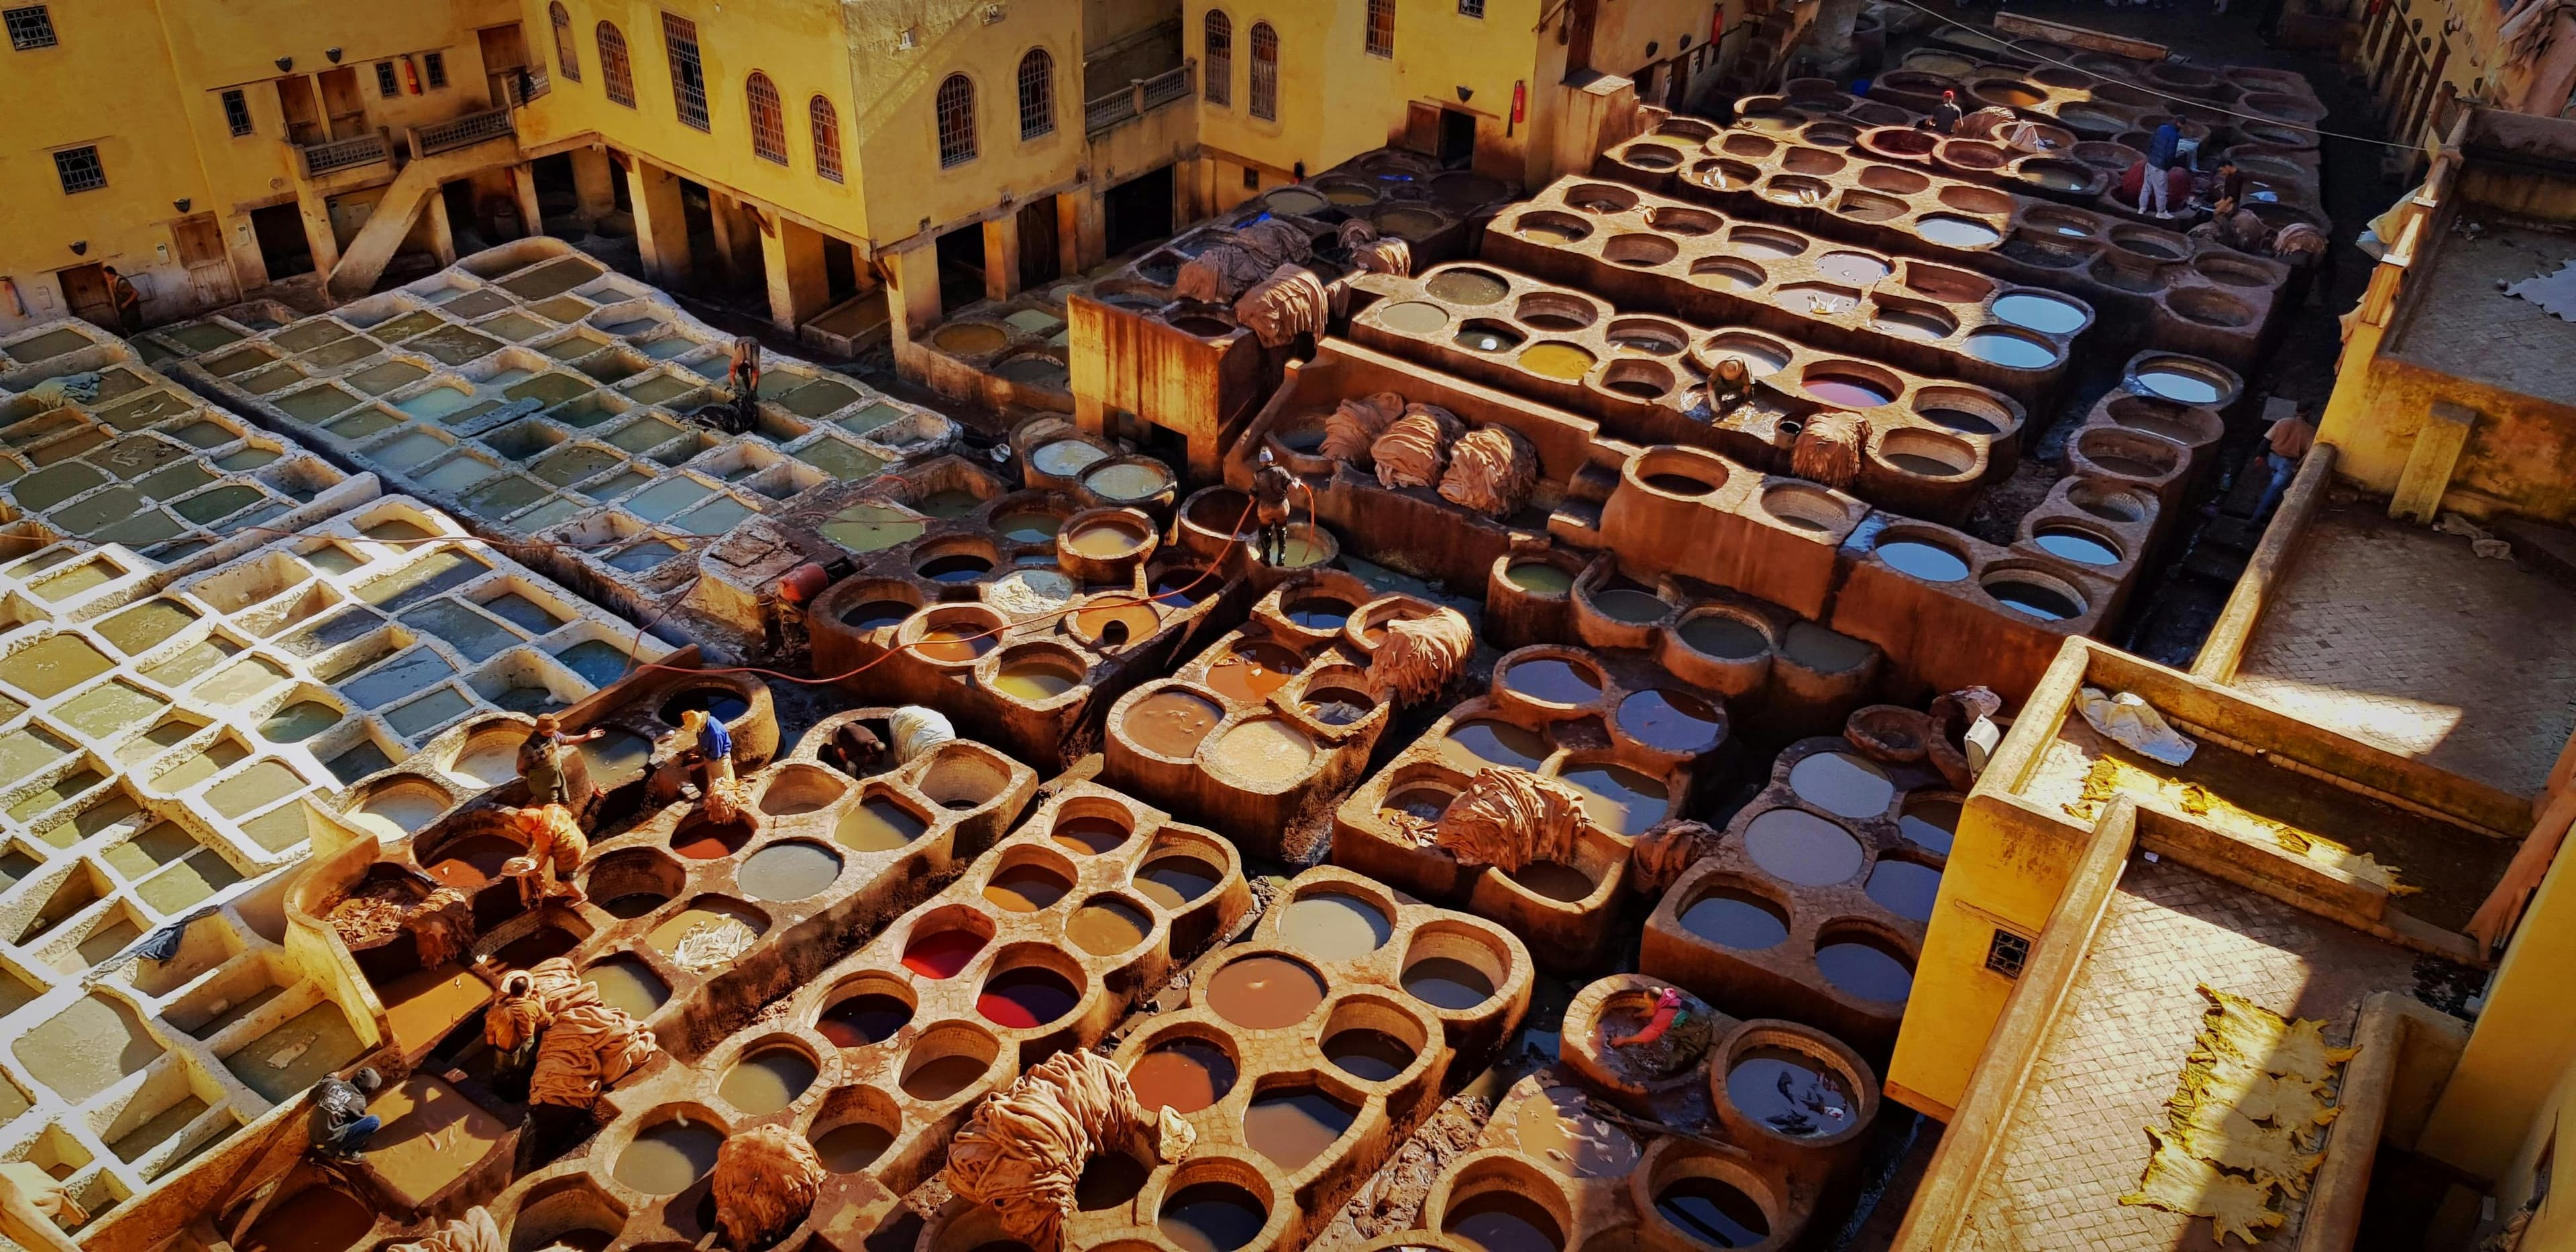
552	1025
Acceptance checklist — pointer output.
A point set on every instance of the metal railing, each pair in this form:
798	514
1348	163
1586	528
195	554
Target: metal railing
1142	96
345	154
462	132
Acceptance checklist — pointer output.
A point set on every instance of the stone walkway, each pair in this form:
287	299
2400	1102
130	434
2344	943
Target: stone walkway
2395	634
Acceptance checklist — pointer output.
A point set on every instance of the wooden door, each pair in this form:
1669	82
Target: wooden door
505	54
85	289
1039	263
303	116
341	100
210	269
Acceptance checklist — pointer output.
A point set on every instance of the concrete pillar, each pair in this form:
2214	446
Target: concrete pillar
2429	463
916	289
1002	257
738	239
241	243
523	185
1091	229
798	288
316	212
592	185
442	233
661	230
1069	250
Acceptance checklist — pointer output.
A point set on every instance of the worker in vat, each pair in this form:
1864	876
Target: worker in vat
854	749
1730	384
712	746
742	377
341	1124
556	848
553	772
1946	115
2284	446
1271	483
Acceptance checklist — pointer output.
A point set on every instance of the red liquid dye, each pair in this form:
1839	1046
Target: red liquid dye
942	954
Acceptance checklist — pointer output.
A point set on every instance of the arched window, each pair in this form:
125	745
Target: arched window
827	138
1037	94
1265	72
956	121
1219	55
768	118
616	73
1381	28
567	57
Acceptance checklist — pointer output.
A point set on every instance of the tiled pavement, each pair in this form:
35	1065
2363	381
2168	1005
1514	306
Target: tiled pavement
2464	326
2397	635
2076	1142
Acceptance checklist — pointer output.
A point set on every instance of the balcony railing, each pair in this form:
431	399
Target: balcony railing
462	132
1142	96
345	154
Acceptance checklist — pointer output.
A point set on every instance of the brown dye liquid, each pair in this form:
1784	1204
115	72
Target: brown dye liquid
765	1082
1448	983
1102	541
1172	723
1555	1126
851	1148
1174	881
1139	620
1712	1212
710	841
954	643
878	825
1797	846
1558	360
1554	880
1089	836
1265	992
666	1158
1553	681
1334	926
1293	1127
863	1020
1109	1181
1107	927
628	985
1503	1221
1842	784
472	863
1250	677
1368	1055
1183	1075
432	1134
1026	888
1790	1092
788	871
1211	1217
942	1077
316	1219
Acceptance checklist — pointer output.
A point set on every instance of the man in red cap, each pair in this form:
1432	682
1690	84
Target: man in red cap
1946	115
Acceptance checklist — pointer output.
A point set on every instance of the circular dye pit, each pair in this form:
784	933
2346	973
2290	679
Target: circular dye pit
1539	578
1293	1125
1265	992
1026	998
1637	608
1413	317
1172	722
1930	823
1842	784
1487	336
1553	681
1556	1125
1368	1055
703	840
1473	745
940	1077
876	613
877	824
1865	970
1183	1075
1130	480
852	1148
1249	675
1104	540
1265	751
1554	880
1847	391
1724	637
1467	287
1858	269
1791	1092
2011	350
316	1219
1211	1217
1174	880
1797	846
1108	926
1905	888
1736	919
2075	544
1320	613
1620	800
1955	232
956	642
767	1081
2046	603
788	871
1028	527
668	1157
1088	834
721	703
1037	676
1671	721
2182	386
1562	361
863	1020
1503	1221
2048	315
1027	887
942	953
1927	561
1425	801
1334	925
1447	983
1713	1212
628	985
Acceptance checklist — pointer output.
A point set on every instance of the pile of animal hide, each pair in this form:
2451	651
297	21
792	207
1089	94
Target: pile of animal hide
1416	446
1829	449
2299	244
474	1232
1372	253
1024	1149
1661	854
1355	426
1983	123
728	800
584	1046
1421	654
1289	303
441	920
1222	273
1492	471
764	1183
1508	818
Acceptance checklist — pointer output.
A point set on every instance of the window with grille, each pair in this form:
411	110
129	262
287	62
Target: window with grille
1471	8
237	113
2007	953
30	27
827	138
1381	28
433	66
79	169
1219	55
1037	94
768	118
1265	72
616	72
688	74
388	84
956	121
567	57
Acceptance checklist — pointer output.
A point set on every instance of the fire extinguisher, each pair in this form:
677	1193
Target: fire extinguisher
411	76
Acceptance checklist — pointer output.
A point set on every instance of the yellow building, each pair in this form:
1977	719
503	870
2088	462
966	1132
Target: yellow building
2427	60
241	144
